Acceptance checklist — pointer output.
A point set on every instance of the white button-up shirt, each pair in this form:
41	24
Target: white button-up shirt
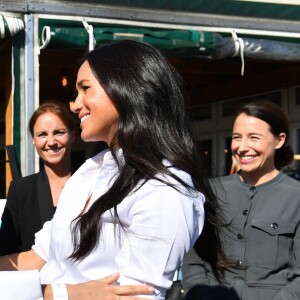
160	225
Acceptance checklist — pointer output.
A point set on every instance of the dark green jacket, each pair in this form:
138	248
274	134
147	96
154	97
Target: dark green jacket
261	235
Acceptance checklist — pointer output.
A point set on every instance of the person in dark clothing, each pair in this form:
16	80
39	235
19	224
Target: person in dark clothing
31	200
261	206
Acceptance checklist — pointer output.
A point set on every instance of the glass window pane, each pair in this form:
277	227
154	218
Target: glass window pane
200	113
297	96
205	147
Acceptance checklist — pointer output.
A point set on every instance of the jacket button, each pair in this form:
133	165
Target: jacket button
274	225
240	236
240	263
245	212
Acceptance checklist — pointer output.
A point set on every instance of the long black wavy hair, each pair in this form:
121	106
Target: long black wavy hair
154	124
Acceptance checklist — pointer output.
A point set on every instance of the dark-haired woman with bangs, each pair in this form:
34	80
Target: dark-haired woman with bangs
261	207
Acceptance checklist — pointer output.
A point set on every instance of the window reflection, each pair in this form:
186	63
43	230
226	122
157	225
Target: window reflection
205	147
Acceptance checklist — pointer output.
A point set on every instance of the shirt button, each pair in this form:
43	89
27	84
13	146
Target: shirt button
240	236
239	263
274	225
245	212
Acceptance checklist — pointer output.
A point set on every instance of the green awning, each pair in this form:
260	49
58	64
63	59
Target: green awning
75	35
65	33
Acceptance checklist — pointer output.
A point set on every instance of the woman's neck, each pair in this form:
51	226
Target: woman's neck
257	178
59	170
57	176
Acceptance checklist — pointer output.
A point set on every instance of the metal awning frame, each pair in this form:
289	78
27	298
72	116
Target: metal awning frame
217	22
280	29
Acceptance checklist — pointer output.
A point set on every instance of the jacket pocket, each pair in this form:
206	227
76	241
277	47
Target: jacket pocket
231	243
270	242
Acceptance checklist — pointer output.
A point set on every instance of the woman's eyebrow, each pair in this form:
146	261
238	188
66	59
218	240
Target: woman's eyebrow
82	82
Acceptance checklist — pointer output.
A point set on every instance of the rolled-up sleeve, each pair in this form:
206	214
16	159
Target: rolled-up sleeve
42	241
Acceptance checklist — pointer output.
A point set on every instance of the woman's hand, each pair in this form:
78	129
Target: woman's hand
103	289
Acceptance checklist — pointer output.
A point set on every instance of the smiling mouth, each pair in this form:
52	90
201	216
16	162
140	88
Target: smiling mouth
247	157
84	118
56	150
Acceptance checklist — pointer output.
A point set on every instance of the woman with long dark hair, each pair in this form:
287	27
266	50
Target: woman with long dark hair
138	206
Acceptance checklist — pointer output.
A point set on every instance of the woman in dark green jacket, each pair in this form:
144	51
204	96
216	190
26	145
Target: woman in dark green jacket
261	233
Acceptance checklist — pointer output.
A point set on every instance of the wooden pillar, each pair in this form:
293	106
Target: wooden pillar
8	110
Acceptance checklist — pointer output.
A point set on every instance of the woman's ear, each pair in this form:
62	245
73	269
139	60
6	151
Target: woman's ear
280	140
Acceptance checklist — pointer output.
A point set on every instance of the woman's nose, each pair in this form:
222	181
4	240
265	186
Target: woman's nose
76	105
52	140
244	145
